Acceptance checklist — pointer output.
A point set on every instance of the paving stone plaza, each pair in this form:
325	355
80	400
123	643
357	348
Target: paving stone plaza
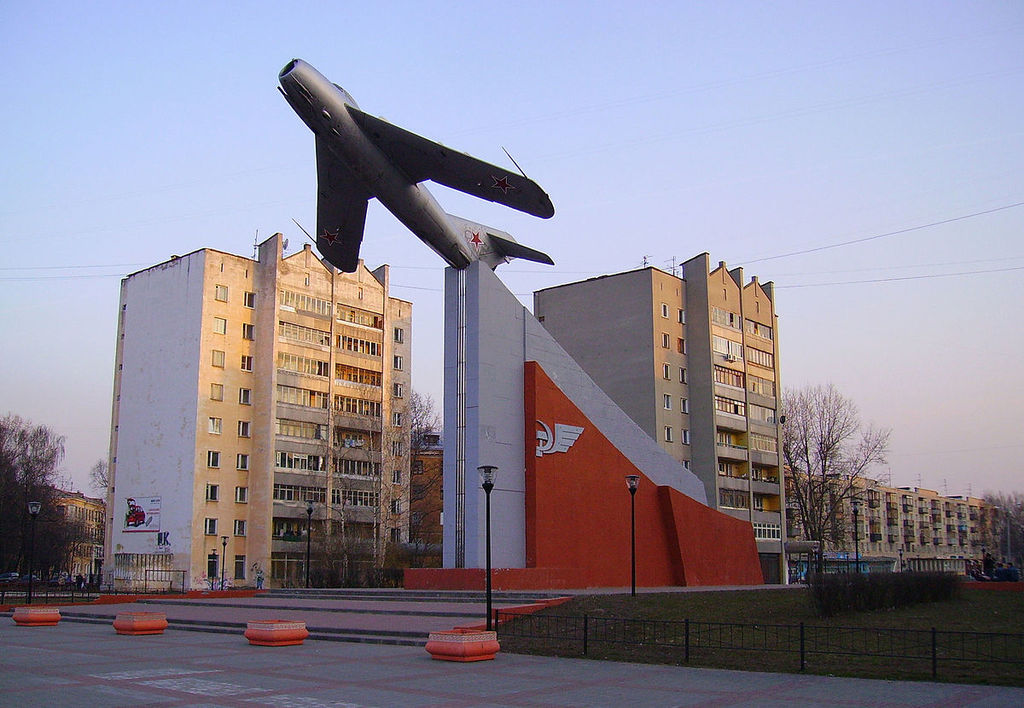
203	660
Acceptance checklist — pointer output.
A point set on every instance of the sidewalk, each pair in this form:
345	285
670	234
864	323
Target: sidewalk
76	664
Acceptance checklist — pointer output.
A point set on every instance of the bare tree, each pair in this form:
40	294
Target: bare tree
1006	533
826	448
29	459
425	503
99	476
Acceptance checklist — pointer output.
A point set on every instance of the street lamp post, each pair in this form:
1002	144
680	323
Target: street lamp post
33	512
309	528
223	558
856	531
487	475
632	482
901	560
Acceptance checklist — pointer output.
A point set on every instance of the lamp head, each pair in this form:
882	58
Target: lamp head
309	508
34	507
632	481
488	473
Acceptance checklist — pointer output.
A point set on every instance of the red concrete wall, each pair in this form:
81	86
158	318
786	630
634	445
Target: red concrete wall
578	512
578	520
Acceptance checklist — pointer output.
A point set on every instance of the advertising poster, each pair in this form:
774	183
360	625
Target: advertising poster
142	514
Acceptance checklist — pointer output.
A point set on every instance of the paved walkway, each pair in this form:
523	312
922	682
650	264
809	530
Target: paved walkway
77	664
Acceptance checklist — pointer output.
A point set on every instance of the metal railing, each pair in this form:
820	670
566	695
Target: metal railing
798	639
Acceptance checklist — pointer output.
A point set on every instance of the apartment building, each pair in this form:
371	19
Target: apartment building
246	393
920	527
426	505
87	516
693	360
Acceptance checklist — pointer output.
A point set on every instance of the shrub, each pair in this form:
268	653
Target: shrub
846	592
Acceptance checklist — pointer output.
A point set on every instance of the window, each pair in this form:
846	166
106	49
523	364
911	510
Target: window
682	316
305	397
666	372
685	436
399	363
664	310
762	414
725	318
215	426
358	345
729	349
242	461
301	429
249	300
682	375
239	527
396	476
216	392
684	405
665	339
239	567
396	534
759	329
668	433
733	499
667	401
765	387
761	358
344	372
396	506
728	377
243	428
357	406
248	331
220	292
218	358
220	325
397	448
242	495
245	396
304	335
398	390
210	527
396	418
399	335
212	458
292	301
680	345
730	405
212	492
764	443
767	532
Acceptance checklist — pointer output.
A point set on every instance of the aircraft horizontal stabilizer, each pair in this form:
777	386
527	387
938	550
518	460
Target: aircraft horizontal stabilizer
513	249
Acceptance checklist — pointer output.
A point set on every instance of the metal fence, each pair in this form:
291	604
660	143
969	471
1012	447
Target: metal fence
798	639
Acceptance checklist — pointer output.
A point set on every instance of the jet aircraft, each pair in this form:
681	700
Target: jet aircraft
359	157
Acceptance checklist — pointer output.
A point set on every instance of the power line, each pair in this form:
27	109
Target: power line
905	277
885	235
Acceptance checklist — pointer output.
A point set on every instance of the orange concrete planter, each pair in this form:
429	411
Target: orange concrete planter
463	645
36	616
276	633
140	623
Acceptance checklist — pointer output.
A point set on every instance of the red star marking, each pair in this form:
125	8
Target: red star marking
329	237
475	240
502	184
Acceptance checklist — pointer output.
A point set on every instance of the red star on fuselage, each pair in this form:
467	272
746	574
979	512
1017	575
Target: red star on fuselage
329	237
502	184
475	240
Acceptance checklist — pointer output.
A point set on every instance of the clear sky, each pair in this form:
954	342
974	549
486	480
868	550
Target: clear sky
754	131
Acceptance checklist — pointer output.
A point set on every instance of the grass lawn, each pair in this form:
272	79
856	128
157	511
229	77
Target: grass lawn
972	611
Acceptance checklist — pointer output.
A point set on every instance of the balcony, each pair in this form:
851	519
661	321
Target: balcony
875	537
731	452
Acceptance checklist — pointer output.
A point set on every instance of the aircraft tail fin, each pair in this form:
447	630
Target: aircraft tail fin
492	246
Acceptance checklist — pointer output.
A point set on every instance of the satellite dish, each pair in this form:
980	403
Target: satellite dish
284	246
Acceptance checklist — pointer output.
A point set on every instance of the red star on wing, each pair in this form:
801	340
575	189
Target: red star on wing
330	237
502	184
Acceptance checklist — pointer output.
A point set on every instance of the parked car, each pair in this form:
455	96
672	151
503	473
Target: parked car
9	577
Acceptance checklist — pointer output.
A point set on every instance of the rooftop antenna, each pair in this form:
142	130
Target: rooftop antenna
256	244
645	261
945	488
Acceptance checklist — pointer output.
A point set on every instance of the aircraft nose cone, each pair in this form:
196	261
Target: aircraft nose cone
287	69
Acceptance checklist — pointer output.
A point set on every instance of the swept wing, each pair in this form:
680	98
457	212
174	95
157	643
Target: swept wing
422	159
341	203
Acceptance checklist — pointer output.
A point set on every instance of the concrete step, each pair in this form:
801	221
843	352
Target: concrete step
330	634
377	595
